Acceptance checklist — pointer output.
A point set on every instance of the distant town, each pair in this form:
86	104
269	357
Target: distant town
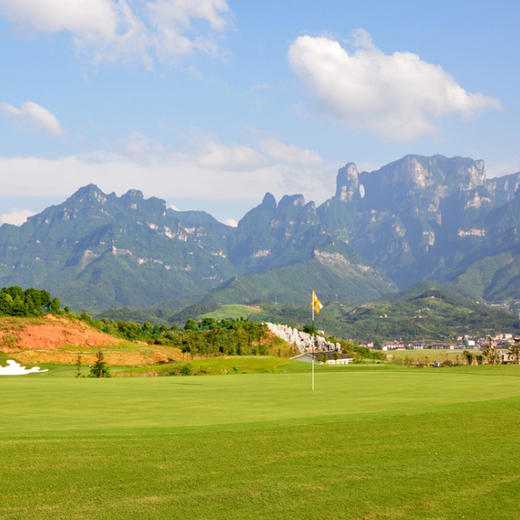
500	340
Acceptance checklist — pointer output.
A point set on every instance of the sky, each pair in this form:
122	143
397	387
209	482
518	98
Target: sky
208	104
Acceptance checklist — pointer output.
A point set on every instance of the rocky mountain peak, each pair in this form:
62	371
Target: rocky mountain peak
472	175
269	201
133	194
347	182
291	200
88	193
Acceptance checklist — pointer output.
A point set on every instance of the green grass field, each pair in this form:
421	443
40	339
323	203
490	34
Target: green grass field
234	311
372	442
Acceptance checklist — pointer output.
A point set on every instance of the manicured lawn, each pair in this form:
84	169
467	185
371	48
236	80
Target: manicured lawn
370	442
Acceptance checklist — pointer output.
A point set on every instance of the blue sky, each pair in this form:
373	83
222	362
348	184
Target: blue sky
210	103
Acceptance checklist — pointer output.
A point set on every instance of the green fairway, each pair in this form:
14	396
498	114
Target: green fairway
370	442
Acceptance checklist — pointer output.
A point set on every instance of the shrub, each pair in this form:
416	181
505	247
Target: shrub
186	370
99	368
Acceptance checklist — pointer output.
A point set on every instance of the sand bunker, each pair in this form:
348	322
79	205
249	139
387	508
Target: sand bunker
15	369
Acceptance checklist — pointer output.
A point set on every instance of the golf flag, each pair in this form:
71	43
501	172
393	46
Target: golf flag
315	303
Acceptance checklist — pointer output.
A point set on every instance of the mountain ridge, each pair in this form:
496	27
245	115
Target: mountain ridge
414	219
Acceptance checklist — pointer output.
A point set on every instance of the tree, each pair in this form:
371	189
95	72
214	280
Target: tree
207	323
147	326
55	305
469	356
186	370
45	298
310	329
489	351
6	303
99	368
514	351
78	366
191	324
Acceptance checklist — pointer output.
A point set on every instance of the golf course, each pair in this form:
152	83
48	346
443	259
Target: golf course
372	442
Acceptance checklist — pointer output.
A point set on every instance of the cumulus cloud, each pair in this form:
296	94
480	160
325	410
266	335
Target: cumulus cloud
289	153
238	157
34	115
112	30
17	217
231	222
141	148
395	95
213	170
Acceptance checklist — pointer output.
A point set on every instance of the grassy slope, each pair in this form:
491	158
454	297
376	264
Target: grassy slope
369	443
234	311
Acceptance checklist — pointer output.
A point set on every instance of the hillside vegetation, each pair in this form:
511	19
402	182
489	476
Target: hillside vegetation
422	312
415	219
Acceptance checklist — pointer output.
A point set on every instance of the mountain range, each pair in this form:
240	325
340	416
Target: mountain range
415	219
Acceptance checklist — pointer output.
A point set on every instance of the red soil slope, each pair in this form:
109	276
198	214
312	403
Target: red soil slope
49	333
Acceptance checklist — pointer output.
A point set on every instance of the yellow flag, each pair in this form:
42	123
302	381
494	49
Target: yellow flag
315	303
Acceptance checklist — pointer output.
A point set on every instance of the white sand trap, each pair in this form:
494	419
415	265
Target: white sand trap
15	369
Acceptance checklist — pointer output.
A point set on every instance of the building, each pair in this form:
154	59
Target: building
324	358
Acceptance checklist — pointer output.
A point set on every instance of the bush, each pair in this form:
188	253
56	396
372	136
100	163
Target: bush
186	370
310	329
99	368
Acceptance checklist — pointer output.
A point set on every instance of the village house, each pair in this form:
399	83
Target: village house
324	358
394	345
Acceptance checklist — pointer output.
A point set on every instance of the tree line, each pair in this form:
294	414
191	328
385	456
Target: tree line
230	337
14	301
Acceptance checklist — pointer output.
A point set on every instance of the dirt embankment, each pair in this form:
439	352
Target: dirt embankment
58	339
120	358
50	333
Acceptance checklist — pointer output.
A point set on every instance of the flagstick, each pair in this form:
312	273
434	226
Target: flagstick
313	347
313	373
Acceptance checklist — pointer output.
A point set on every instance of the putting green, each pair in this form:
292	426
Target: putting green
368	443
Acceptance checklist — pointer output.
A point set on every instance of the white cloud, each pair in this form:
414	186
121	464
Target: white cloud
140	148
50	16
395	95
17	217
214	171
501	168
231	222
239	157
112	30
34	115
289	153
262	86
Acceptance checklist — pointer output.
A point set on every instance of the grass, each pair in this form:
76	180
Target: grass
429	356
376	442
19	322
234	311
223	365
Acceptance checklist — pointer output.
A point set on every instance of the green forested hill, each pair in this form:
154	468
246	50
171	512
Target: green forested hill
422	312
294	283
98	250
415	219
